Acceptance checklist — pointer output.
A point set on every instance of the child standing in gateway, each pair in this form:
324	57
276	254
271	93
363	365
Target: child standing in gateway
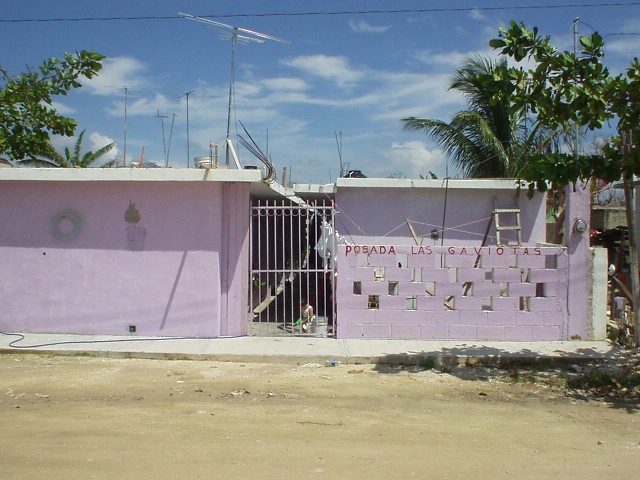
306	316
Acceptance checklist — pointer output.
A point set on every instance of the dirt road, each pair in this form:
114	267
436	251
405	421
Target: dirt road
97	418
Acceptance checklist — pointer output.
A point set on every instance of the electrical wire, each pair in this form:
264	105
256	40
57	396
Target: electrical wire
330	13
21	337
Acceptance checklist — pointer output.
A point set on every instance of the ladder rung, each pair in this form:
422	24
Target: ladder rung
515	212
509	227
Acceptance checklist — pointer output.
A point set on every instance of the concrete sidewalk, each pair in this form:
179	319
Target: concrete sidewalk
306	349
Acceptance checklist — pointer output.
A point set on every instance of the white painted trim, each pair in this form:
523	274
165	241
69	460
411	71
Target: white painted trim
471	183
130	175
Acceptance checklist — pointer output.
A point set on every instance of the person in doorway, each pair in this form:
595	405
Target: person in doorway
306	316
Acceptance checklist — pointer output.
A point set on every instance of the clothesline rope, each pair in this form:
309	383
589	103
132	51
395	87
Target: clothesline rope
455	228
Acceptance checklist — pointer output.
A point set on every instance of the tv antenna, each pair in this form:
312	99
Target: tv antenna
343	167
166	148
236	34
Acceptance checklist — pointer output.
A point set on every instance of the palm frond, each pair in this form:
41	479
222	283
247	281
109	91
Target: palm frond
493	137
38	163
78	148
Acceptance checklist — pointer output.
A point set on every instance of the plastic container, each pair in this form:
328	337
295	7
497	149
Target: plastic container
319	326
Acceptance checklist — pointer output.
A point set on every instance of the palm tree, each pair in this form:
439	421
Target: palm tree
51	158
491	139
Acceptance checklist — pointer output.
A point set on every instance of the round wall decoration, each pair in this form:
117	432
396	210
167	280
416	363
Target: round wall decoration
66	225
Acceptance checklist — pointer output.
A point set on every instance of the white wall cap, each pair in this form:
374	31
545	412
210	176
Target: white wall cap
130	175
455	183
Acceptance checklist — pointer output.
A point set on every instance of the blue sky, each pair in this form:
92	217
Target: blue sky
346	74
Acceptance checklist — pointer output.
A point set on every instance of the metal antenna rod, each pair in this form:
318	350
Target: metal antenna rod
173	119
188	139
575	22
339	144
164	143
126	101
232	81
237	33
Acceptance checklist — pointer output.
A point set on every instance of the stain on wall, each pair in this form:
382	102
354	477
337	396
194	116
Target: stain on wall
136	234
66	225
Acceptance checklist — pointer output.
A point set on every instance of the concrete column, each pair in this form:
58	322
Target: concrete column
599	265
577	209
234	259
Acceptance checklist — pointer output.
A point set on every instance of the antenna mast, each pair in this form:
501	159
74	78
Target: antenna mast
243	35
166	148
164	143
126	101
188	139
339	144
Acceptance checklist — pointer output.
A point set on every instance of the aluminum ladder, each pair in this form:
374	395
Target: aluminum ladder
514	225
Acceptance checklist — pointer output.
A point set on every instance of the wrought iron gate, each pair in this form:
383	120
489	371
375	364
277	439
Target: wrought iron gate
292	248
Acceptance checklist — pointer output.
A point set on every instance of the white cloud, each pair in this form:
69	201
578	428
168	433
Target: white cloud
285	84
92	142
622	48
334	69
476	14
63	109
118	73
98	141
137	105
413	159
364	27
450	61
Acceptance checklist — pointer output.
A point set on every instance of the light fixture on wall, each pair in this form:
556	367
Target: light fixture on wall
435	235
579	225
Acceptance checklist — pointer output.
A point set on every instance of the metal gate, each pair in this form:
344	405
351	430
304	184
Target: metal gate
292	248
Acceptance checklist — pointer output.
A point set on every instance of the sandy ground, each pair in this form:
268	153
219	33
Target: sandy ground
68	418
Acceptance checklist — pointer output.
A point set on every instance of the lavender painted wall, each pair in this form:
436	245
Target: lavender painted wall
377	209
95	257
578	207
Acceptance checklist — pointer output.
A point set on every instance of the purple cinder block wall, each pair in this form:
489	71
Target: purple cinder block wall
391	288
98	257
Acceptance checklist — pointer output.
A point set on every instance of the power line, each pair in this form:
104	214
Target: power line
329	13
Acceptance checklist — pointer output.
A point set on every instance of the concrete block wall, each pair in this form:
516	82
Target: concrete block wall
461	293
